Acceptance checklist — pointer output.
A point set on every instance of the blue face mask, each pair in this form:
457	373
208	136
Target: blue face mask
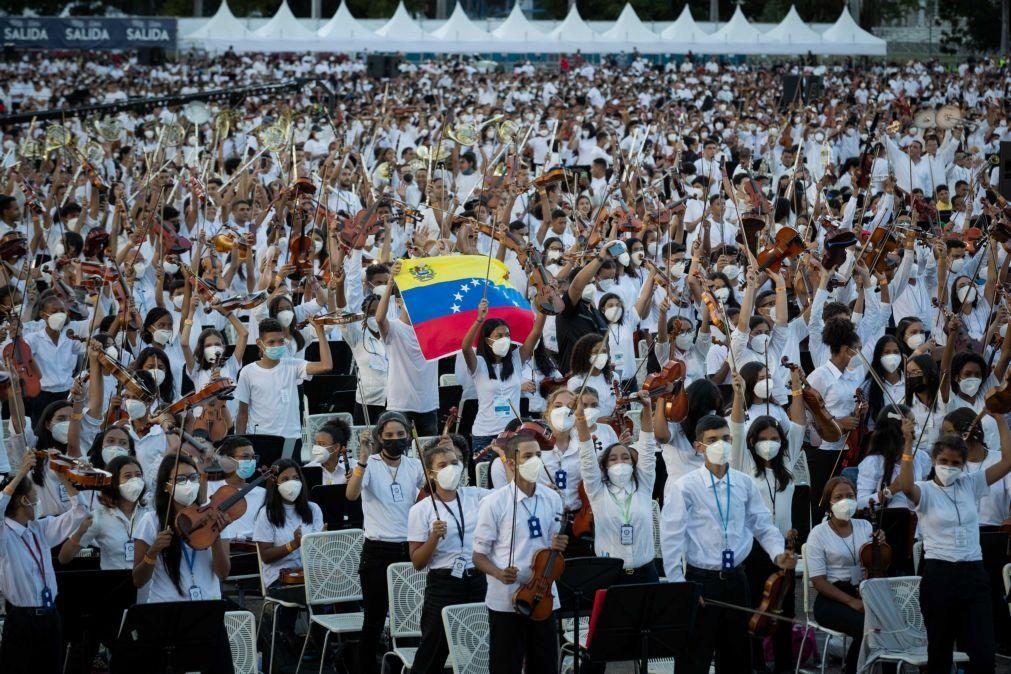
275	352
246	468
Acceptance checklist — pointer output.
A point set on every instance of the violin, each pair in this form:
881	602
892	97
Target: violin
534	599
548	299
619	422
332	318
246	301
880	244
14	246
19	354
875	555
80	474
787	243
530	429
356	231
220	389
835	248
777	586
548	385
824	422
555	175
672	373
198	524
171	242
854	440
582	520
95	242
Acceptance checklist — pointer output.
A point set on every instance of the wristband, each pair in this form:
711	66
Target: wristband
363	466
907	457
287	547
75	542
358	472
76	416
148	560
797	392
188	322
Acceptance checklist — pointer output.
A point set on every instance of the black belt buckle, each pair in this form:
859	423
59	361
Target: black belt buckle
630	571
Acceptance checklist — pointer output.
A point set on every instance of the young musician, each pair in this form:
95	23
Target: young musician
328	451
388	483
238	462
54	352
711	518
513	524
440	531
833	564
32	634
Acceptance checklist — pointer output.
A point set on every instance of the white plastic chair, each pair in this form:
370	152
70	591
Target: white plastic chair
241	629
657	550
467	635
273	602
1007	582
406	587
312	424
917	555
809	612
330	562
447	379
483	473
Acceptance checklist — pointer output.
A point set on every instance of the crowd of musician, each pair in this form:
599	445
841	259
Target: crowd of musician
758	323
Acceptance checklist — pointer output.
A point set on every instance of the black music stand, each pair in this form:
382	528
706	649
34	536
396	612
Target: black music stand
578	585
170	638
313	476
338	511
269	448
639	622
86	621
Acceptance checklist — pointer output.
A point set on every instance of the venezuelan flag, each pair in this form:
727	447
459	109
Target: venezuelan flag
441	295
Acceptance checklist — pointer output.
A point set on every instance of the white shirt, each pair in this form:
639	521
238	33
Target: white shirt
339	475
779	503
20	581
460	516
621	345
494	535
692	526
614	508
496	399
385	513
265	532
242	528
413	383
871	472
837	388
605	391
272	397
196	581
949	518
56	361
369	352
837	558
112	532
993	508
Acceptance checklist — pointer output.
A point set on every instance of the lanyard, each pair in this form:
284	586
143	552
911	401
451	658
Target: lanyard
38	559
393	473
724	520
626	508
461	524
190	560
523	502
958	514
772	495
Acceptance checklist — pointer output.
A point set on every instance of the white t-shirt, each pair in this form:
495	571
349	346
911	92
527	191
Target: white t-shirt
949	518
265	532
837	558
272	397
111	531
242	528
496	399
413	383
387	496
197	581
460	516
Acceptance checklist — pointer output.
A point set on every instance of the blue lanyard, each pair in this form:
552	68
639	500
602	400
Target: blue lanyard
190	560
724	521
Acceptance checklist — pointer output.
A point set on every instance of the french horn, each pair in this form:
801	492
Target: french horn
173	135
506	131
274	138
56	137
463	134
109	129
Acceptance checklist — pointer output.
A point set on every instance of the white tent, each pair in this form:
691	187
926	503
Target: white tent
222	26
284	26
792	30
737	34
629	28
517	28
684	29
344	26
401	27
845	31
459	28
573	29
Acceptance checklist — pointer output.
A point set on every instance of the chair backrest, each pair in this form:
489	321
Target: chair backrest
330	561
467	635
259	567
483	472
801	472
657	551
423	440
241	629
406	587
354	444
904	594
806	579
312	424
447	379
1007	582
917	556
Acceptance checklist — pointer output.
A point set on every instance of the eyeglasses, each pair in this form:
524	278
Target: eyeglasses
253	457
183	479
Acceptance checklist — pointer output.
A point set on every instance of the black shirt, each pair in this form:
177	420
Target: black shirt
573	323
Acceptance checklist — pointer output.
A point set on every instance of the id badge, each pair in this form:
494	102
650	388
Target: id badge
64	496
128	551
728	560
459	566
961	537
398	493
856	576
501	408
46	597
561	478
195	593
619	359
626	534
377	363
534	524
551	341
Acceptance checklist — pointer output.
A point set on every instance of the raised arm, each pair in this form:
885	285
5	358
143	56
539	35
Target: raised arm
467	345
907	482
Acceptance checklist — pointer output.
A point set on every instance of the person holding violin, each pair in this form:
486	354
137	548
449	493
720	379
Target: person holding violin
159	333
32	635
497	372
955	591
514	524
591	365
52	435
923	381
155	362
238	461
55	354
969	378
207	362
758	392
440	536
285	516
580	316
677	439
713	531
110	444
832	555
329	451
621	328
371	362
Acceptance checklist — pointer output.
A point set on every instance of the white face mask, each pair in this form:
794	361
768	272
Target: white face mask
379	290
177	302
554	255
677	270
891	362
843	509
372	324
612	314
684	341
620	474
722	294
947	475
651	248
60	431
606	284
285	317
637	257
500	347
139	268
135	409
624	259
598	361
915	341
158	375
966	294
185	494
767	449
592	414
531	469
589	292
170	267
731	271
562	419
290	490
213	353
763	388
162	337
449	477
320	453
112	352
760	342
718	453
970	385
111	452
131	489
56	321
956	265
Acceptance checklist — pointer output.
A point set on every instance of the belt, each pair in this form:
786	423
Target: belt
472	572
32	611
708	573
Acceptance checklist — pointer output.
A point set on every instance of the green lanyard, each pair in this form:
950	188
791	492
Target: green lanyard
626	509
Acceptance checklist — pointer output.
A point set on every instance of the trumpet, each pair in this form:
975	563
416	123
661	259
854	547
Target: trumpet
109	130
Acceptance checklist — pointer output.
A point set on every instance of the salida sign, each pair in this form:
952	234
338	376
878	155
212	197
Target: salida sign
87	33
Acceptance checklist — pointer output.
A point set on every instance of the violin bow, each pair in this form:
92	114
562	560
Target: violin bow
428	479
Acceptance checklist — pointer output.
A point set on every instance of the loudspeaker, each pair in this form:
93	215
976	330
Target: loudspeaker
800	89
150	56
1004	170
383	66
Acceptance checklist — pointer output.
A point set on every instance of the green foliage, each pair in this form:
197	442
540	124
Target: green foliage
976	24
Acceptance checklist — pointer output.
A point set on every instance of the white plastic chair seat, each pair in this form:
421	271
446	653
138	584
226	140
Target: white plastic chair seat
916	660
241	629
340	622
482	470
448	379
406	654
1007	582
584	629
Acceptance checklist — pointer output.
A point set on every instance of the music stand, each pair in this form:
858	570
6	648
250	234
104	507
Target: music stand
170	638
582	577
313	476
639	622
88	621
269	448
338	511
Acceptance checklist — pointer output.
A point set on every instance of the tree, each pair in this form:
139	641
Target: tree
975	24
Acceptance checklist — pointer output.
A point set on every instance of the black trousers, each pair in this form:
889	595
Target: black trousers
759	567
374	412
842	618
513	639
646	573
425	423
442	590
821	463
955	602
286	617
39	403
32	642
376	557
719	631
994	544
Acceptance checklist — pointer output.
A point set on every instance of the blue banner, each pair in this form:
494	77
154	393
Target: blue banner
87	33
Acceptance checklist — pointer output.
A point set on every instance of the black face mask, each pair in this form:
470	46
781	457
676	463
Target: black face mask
395	447
916	384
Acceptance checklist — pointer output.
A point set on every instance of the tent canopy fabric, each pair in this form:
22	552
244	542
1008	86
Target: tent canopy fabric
737	30
401	26
459	27
573	29
223	25
344	26
629	28
846	31
517	28
684	29
284	26
792	30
